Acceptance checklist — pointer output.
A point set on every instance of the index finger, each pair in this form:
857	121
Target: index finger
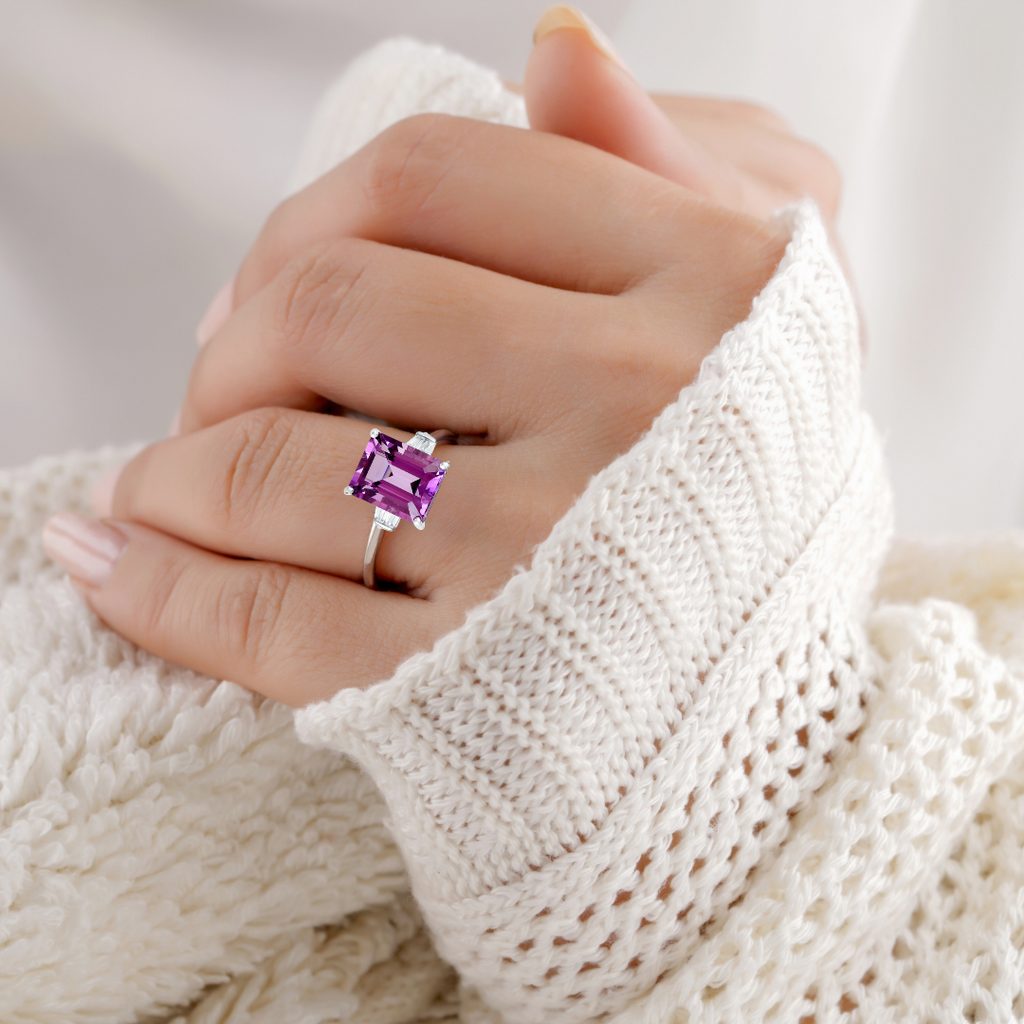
531	205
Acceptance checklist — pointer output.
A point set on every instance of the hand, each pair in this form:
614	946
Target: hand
736	154
513	285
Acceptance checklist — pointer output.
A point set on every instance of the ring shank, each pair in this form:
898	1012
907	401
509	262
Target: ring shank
370	557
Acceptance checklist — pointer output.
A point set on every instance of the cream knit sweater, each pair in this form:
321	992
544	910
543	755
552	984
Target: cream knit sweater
696	763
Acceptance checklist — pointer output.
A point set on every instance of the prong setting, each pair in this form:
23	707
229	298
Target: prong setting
400	479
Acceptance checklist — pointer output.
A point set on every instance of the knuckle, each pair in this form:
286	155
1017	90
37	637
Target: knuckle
749	258
247	612
252	461
409	160
277	227
763	117
276	241
320	293
640	377
134	485
806	169
685	110
823	177
737	256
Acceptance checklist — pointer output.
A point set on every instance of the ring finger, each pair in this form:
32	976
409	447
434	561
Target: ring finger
269	484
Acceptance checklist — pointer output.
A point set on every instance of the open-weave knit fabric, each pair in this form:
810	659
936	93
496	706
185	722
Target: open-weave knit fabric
166	840
698	762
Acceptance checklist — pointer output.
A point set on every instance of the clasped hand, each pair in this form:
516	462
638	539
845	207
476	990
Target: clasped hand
534	291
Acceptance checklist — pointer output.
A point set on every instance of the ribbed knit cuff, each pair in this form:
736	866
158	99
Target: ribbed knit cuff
583	775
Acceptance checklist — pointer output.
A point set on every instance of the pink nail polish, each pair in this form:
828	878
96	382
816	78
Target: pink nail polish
88	549
103	493
217	315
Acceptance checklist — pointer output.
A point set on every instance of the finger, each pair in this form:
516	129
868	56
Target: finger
738	112
737	154
400	336
217	313
780	167
293	635
270	485
527	204
576	87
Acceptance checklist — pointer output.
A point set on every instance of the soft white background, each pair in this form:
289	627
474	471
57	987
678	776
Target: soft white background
142	142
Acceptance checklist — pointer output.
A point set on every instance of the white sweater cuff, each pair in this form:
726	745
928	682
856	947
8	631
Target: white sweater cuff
584	774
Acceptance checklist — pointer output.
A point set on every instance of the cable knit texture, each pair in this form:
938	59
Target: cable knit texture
698	762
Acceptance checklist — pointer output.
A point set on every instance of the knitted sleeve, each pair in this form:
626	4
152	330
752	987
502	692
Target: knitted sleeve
583	777
666	776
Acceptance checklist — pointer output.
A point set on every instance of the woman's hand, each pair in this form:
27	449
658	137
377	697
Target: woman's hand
538	293
509	284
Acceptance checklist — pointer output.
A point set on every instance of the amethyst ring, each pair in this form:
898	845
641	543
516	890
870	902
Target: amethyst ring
400	479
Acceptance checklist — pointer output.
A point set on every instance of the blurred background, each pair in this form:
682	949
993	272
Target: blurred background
143	142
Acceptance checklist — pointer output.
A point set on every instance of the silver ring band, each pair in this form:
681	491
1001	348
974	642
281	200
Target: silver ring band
370	558
386	522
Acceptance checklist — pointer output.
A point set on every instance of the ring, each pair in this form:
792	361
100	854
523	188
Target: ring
399	478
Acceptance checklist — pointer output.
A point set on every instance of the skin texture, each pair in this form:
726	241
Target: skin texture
548	292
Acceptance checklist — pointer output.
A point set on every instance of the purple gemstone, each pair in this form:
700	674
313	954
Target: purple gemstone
397	478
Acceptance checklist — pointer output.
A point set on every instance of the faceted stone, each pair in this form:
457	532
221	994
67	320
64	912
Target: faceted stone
397	478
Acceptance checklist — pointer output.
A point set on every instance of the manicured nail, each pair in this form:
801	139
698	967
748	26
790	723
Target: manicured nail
217	315
564	16
175	428
88	549
103	493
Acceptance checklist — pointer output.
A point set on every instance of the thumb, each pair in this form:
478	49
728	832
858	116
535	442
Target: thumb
577	86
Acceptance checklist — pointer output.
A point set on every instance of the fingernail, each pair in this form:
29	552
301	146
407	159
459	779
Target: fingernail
216	316
175	428
88	549
103	493
564	16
